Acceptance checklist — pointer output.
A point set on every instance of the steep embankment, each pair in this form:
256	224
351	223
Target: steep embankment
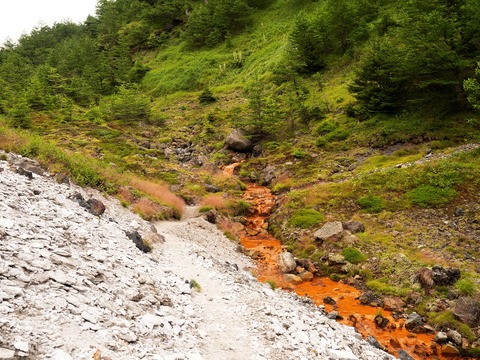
74	286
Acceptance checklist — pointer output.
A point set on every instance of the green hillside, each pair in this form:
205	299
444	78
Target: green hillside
362	109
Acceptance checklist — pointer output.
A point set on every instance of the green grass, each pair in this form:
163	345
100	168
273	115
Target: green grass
466	286
305	218
379	286
431	196
353	255
371	203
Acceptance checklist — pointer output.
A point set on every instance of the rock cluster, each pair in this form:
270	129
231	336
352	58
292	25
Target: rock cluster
74	286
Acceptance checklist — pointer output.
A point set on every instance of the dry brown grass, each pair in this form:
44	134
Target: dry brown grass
126	195
215	201
230	228
159	192
151	211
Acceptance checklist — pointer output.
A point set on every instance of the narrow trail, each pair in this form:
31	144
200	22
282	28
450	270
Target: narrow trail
224	327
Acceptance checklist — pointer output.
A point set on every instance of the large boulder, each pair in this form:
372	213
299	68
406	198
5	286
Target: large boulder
330	231
413	320
286	262
444	277
467	310
237	141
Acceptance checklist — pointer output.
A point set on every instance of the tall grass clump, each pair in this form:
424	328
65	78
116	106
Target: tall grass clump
159	193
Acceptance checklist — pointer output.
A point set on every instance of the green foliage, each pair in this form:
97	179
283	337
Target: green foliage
195	285
353	255
206	97
305	218
211	23
19	114
240	207
423	60
466	286
472	88
272	284
334	28
299	153
371	203
128	105
431	196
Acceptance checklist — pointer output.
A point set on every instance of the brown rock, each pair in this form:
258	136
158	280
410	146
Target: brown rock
393	303
306	276
293	279
354	226
450	349
467	310
95	207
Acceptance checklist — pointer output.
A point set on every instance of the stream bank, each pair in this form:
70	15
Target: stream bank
381	327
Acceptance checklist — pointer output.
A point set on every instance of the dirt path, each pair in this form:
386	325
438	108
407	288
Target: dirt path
225	315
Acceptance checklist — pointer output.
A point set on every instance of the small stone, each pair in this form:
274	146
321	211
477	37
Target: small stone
293	279
89	317
7	354
413	320
21	345
59	354
450	349
342	354
330	231
374	342
329	300
441	337
127	336
306	276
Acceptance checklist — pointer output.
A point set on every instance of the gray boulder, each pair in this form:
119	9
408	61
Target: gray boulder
286	262
237	141
467	310
330	231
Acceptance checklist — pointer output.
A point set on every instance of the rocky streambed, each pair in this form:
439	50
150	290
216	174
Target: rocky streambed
73	285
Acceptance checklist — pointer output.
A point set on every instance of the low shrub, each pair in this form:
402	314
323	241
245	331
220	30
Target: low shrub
371	203
431	196
305	218
353	255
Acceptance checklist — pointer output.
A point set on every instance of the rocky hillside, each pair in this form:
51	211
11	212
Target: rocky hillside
75	286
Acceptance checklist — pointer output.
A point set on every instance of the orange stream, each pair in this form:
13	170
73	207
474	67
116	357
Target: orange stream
256	239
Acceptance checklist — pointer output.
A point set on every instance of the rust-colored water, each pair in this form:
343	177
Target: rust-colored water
265	248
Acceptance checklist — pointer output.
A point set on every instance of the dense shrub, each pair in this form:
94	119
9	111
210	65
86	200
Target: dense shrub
371	203
353	255
305	218
431	196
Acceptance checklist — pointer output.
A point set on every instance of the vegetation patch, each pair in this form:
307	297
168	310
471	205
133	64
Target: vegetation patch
431	196
371	203
353	255
305	218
